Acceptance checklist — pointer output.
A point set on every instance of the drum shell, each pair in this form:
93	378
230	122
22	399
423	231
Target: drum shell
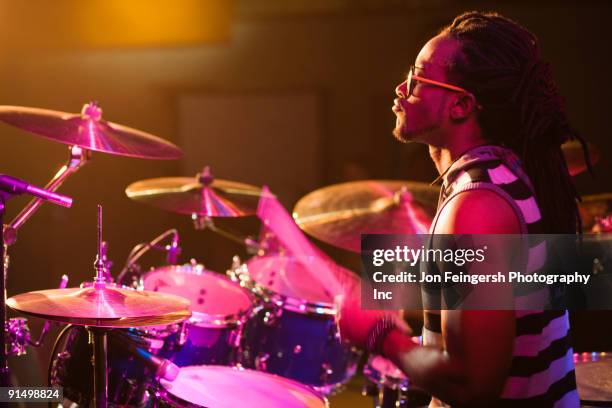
128	377
204	344
219	309
302	346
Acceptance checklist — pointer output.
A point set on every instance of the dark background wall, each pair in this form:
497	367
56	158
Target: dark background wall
349	54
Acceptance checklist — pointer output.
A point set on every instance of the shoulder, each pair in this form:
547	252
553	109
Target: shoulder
478	212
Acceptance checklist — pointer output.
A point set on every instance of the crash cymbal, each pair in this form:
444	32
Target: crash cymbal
89	131
339	214
574	156
108	307
201	195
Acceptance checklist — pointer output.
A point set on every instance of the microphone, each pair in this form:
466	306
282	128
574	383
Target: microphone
163	368
17	186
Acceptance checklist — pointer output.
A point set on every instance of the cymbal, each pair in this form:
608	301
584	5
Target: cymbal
574	156
89	131
108	307
340	213
201	195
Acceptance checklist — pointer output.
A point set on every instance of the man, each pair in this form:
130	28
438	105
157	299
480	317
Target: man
482	99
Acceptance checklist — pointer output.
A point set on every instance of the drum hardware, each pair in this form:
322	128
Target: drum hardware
340	213
171	249
389	387
201	223
100	308
18	332
9	187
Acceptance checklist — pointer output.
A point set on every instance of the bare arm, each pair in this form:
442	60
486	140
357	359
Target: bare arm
473	368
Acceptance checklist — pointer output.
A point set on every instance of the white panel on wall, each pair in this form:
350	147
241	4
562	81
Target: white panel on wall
271	139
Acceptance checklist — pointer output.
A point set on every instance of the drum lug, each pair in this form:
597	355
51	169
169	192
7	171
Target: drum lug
374	391
17	336
334	334
272	315
326	373
183	333
261	361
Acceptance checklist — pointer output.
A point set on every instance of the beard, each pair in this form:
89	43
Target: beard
414	135
422	133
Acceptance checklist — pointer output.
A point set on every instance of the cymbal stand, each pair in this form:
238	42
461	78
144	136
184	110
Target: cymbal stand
98	335
78	157
203	222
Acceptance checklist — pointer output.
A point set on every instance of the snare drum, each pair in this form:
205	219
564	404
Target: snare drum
294	333
230	387
219	308
389	387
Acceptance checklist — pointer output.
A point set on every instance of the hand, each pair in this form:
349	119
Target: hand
355	323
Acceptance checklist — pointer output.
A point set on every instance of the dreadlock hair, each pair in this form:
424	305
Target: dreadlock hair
500	63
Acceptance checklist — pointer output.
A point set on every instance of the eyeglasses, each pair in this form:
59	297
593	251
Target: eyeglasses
412	80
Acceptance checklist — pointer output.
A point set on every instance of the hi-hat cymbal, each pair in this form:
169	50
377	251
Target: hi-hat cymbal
201	195
339	214
89	131
108	307
574	156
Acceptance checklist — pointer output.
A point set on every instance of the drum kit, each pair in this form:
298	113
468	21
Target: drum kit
184	336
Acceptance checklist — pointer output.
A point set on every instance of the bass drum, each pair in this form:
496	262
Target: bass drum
219	307
229	387
128	377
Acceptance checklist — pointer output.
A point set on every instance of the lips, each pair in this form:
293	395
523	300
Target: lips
396	106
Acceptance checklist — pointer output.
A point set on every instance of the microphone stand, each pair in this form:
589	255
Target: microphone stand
4	370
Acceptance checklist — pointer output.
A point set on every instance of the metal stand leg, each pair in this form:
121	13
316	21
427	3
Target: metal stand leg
99	363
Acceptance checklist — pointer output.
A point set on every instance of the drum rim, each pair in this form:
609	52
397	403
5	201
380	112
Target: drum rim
207	320
167	396
383	380
291	303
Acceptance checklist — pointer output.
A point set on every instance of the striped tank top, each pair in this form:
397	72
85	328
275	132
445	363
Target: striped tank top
542	369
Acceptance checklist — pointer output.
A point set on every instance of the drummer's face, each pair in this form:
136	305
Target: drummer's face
421	112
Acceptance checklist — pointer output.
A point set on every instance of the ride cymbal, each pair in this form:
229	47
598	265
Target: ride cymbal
89	131
340	213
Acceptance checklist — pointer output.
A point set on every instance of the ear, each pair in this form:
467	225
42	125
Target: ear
463	106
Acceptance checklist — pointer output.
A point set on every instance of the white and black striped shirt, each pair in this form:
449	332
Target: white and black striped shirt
542	370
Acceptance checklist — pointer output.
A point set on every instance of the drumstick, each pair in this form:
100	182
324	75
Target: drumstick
277	218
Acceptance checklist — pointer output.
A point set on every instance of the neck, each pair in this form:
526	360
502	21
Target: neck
444	156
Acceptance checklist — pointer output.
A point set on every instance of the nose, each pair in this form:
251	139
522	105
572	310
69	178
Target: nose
400	90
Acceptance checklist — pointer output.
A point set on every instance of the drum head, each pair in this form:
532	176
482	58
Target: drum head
210	293
594	376
227	387
295	278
